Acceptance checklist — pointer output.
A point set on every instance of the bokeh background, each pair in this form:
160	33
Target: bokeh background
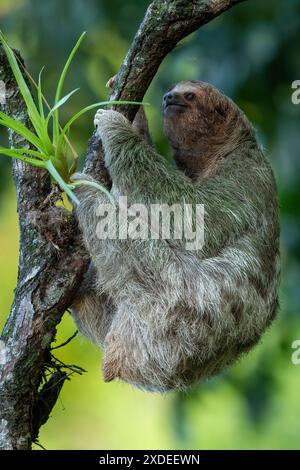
252	53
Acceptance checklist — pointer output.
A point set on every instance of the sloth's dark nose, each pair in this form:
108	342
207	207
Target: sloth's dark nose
170	97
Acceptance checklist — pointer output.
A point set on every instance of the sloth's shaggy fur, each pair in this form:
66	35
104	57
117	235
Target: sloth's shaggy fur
167	317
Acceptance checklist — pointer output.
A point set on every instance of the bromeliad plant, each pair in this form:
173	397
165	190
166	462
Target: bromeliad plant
51	148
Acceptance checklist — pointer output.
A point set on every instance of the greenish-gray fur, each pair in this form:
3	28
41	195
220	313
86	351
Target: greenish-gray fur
167	317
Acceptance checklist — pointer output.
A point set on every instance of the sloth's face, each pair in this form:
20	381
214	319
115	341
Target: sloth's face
193	110
180	99
195	104
201	123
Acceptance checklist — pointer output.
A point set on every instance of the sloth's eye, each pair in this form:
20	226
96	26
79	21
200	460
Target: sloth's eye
189	96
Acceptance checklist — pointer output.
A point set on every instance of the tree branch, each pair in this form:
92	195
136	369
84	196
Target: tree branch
52	263
165	24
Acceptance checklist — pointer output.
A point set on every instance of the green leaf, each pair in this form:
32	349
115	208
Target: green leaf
40	95
60	87
34	116
97	105
93	184
22	130
60	103
18	156
31	107
25	151
63	185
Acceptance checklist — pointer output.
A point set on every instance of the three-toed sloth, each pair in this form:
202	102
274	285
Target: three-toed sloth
168	317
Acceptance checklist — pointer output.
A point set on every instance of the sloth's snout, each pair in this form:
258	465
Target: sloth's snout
173	100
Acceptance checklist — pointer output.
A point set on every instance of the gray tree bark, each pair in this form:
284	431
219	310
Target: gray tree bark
52	262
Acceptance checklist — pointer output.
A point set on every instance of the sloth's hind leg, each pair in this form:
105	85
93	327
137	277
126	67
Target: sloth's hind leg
92	313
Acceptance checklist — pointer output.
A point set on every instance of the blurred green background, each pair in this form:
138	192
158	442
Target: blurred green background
252	53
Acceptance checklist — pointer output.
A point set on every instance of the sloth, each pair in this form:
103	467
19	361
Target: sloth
168	317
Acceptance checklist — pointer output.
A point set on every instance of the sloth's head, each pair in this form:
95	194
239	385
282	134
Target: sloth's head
202	125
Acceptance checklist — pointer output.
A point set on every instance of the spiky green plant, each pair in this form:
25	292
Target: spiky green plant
51	148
